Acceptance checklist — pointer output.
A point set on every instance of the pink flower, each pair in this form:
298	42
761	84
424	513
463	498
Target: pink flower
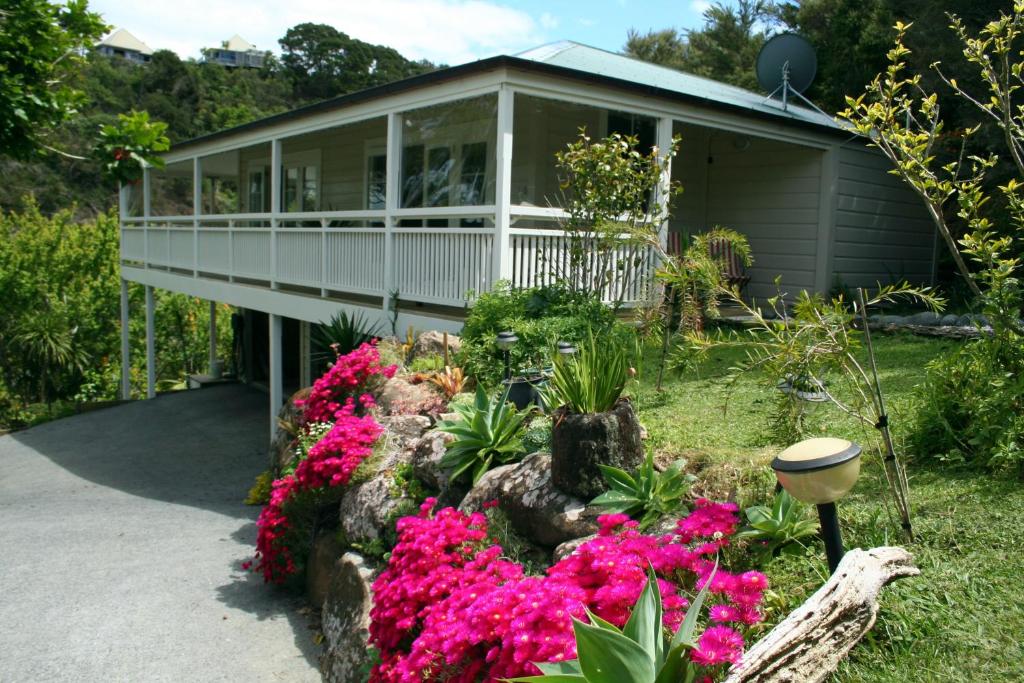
718	645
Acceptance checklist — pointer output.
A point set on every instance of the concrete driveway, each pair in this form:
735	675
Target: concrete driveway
122	534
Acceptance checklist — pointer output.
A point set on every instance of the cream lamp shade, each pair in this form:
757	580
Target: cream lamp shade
506	340
818	470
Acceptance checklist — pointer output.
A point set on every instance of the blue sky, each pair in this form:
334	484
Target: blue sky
451	31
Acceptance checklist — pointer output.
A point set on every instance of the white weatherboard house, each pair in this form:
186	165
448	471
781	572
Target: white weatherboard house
444	183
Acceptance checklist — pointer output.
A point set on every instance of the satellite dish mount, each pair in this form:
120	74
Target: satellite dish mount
787	64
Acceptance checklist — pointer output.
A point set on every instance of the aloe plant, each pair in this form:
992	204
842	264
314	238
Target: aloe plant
487	433
637	653
777	526
647	493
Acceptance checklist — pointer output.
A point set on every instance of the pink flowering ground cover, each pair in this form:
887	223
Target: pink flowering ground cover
450	607
340	396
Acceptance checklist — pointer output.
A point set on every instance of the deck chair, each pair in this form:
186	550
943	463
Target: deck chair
733	270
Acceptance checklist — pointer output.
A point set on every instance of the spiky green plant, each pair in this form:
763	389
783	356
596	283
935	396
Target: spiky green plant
594	378
646	493
487	433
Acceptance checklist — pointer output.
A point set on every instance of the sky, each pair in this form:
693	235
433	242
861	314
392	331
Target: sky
443	31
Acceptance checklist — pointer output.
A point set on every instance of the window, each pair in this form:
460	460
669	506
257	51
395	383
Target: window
259	196
376	182
301	188
429	179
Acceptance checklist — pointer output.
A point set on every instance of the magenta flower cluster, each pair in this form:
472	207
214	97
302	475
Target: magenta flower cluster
450	607
331	461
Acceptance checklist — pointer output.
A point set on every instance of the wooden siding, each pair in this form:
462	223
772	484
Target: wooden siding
882	231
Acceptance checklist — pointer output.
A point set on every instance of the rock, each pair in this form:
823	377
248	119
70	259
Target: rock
929	318
579	443
320	567
486	489
282	446
346	620
432	344
399	396
538	510
891	320
426	459
965	320
404	430
950	320
569	547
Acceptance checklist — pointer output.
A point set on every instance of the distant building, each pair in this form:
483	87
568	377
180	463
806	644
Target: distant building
121	43
236	51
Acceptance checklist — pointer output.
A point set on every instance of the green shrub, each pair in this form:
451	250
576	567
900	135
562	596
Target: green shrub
488	432
776	527
647	495
432	363
593	379
540	317
971	407
342	334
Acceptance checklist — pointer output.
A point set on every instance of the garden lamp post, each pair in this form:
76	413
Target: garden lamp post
566	350
821	471
505	341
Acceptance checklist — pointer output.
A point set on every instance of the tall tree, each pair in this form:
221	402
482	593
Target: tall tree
41	46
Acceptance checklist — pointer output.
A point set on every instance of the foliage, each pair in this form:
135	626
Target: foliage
487	433
127	147
903	120
342	334
259	494
593	379
449	606
41	47
638	652
609	189
537	437
540	317
724	49
646	495
429	363
773	528
451	382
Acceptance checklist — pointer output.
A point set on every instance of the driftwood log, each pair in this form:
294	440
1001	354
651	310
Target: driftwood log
809	644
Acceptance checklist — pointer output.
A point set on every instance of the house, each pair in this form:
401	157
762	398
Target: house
400	199
234	52
121	43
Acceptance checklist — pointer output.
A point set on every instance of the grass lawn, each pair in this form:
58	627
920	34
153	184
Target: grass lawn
962	618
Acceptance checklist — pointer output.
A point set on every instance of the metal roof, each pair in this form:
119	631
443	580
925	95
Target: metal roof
123	40
574	61
570	55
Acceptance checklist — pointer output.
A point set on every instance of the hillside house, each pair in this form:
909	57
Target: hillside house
121	43
236	51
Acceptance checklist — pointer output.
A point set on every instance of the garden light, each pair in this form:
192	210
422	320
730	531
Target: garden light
505	341
821	471
565	349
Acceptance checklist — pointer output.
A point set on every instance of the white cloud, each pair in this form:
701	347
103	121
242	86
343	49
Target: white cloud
548	21
700	6
449	31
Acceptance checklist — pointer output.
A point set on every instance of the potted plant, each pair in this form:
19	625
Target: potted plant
593	423
522	389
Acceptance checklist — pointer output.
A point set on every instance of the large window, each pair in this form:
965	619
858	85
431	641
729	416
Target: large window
171	189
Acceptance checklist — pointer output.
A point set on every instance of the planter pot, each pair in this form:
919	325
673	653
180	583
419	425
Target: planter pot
522	391
579	443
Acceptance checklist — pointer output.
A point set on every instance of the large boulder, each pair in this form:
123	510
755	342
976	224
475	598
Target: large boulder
346	621
486	488
581	442
282	446
399	396
327	549
540	511
369	506
426	467
432	344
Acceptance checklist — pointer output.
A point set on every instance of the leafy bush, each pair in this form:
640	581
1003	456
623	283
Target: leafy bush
540	317
342	334
431	363
638	652
777	526
593	379
647	493
451	382
488	432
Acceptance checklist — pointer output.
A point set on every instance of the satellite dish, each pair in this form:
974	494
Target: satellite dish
787	62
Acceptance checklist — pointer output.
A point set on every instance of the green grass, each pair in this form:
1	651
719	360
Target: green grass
961	619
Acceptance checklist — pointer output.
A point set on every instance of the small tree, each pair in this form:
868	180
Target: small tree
127	147
609	193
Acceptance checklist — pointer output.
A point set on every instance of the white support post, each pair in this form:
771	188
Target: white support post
197	210
664	196
122	201
126	365
392	185
276	390
146	187
213	337
150	344
275	206
501	265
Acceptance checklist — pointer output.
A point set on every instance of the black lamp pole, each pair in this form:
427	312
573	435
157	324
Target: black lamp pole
831	535
508	365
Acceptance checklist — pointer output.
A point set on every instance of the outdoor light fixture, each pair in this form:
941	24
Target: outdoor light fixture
505	341
565	349
821	471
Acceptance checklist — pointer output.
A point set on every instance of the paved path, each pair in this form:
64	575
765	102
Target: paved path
122	533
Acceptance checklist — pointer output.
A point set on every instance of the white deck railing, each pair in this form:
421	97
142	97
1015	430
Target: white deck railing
345	251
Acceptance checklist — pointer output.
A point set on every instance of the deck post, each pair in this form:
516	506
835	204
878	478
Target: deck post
275	205
126	365
276	392
146	187
392	183
213	336
197	210
664	143
501	265
150	344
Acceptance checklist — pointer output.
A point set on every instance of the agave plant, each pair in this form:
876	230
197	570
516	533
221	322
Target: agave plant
488	432
344	333
636	653
647	493
777	526
451	382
